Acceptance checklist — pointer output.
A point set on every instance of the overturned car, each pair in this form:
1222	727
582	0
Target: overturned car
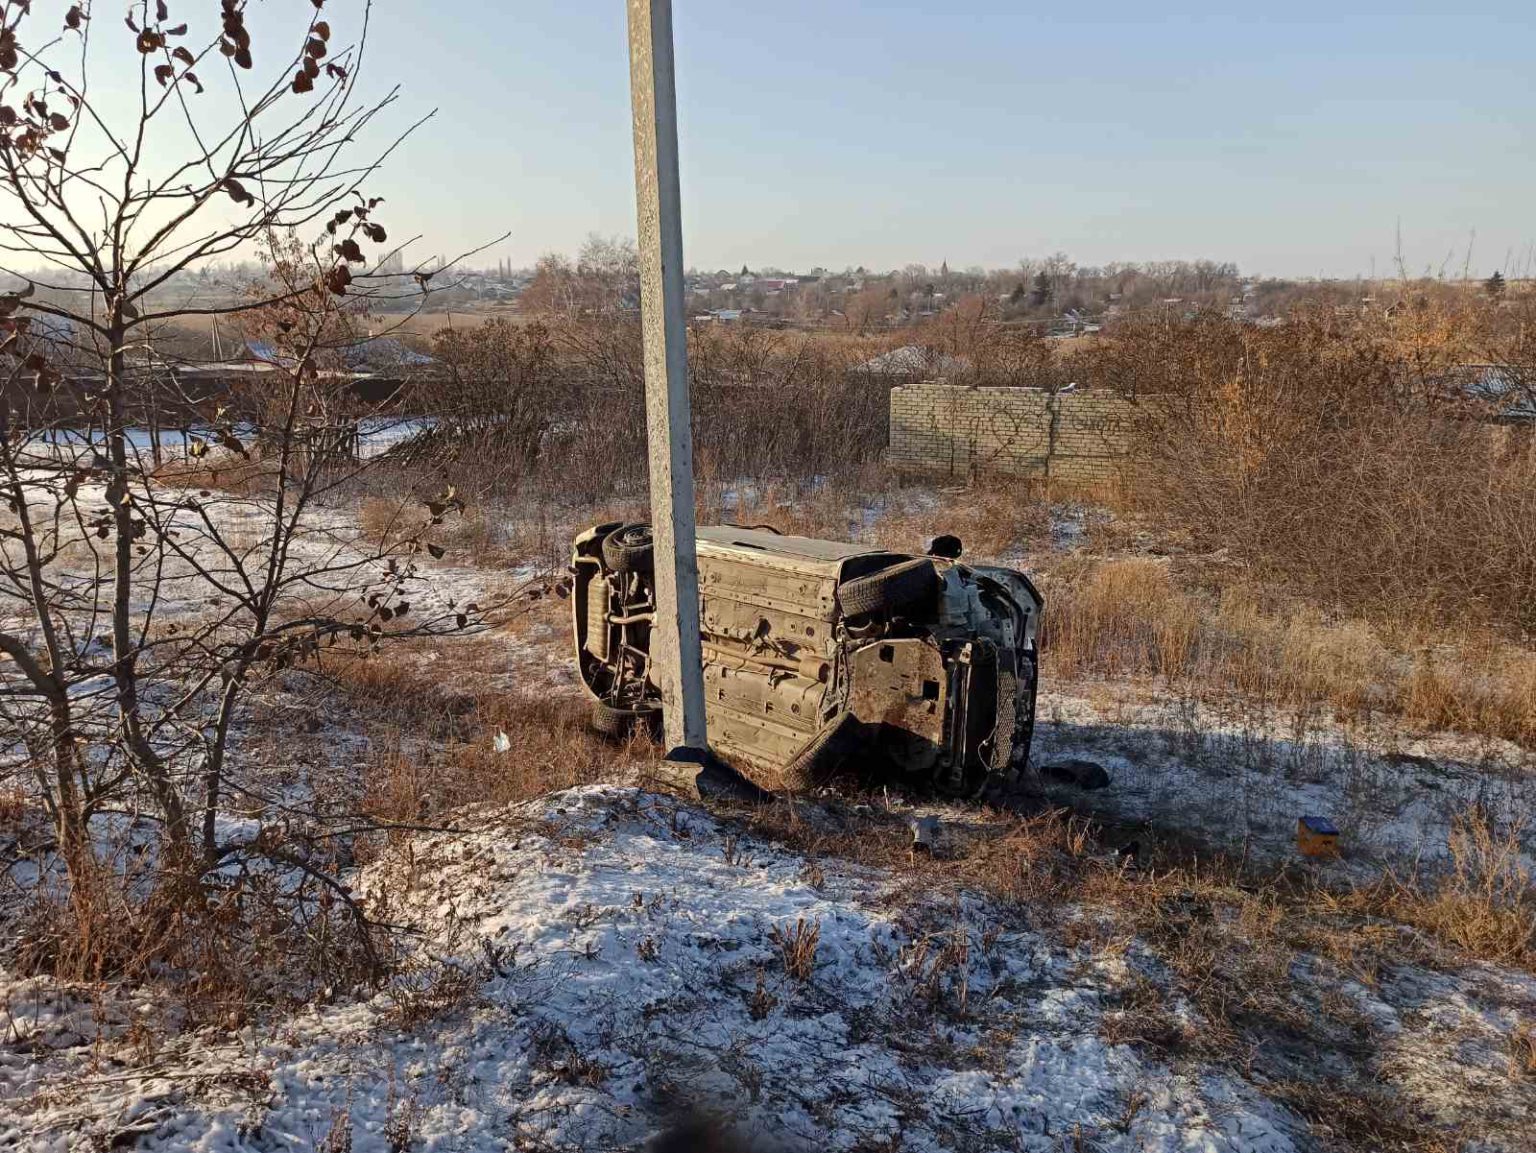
817	652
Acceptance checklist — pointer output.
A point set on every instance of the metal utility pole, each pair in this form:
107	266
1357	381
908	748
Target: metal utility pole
675	636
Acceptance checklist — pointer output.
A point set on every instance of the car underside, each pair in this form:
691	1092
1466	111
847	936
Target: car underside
822	653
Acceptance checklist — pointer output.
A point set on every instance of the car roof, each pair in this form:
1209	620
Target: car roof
749	542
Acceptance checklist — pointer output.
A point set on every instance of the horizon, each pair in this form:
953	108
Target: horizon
993	135
881	136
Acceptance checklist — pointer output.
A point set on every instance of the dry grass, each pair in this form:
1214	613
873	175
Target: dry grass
1130	617
794	507
1479	688
995	522
338	1133
1142	1016
1259	958
1333	455
1485	906
518	531
551	746
1348	1117
434	748
13	806
1522	1051
1118	618
937	966
264	934
797	946
1208	626
424	990
388	520
228	473
535	534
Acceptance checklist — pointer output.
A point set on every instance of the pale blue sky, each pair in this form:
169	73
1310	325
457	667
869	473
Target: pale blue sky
1289	138
980	131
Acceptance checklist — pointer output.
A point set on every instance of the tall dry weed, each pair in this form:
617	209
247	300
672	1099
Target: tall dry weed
1485	904
1128	617
226	473
1119	618
1337	454
432	750
1478	688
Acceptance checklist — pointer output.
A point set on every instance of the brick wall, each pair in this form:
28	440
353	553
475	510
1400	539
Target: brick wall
952	430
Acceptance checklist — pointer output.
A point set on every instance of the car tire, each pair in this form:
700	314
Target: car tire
897	587
618	723
630	548
815	764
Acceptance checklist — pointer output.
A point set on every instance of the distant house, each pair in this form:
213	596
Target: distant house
377	370
58	332
264	352
915	361
1497	393
382	354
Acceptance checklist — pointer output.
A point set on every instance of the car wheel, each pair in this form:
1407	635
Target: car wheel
619	723
815	763
900	586
630	549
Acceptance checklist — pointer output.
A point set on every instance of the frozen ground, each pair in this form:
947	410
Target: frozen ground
585	969
1238	778
594	965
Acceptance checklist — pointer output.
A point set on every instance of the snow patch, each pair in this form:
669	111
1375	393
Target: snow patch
619	958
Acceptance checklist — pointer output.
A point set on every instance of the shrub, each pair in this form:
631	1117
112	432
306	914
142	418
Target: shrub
1328	454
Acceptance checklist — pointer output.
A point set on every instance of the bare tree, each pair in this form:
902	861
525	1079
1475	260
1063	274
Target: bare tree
116	692
500	393
604	279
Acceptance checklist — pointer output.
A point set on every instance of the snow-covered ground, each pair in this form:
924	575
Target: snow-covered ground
376	435
583	970
1239	779
212	530
596	964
